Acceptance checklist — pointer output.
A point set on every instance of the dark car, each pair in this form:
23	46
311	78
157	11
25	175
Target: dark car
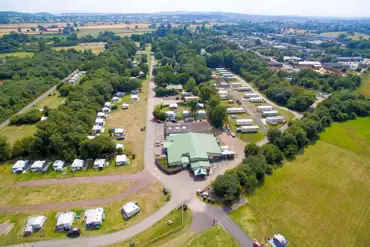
173	120
73	233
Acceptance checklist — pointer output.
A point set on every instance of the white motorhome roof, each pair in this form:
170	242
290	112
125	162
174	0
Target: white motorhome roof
20	164
121	158
99	162
107	104
36	221
101	114
97	127
66	219
118	130
99	120
58	163
38	164
78	163
264	107
249	127
130	207
94	215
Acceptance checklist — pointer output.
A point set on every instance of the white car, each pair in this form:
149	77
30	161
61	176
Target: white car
232	134
157	143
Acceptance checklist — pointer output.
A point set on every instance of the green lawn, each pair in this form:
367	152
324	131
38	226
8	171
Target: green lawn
52	101
364	89
16	132
20	54
149	199
246	137
322	197
161	231
286	114
216	236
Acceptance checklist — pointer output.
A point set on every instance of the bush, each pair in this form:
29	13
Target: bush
114	107
32	116
163	166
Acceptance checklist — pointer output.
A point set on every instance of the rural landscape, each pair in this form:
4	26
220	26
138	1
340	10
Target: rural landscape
196	128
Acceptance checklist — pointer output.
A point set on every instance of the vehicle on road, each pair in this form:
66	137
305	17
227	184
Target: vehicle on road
157	143
232	135
158	121
74	233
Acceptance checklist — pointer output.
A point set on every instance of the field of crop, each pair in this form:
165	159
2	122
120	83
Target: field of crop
95	47
354	37
17	54
322	197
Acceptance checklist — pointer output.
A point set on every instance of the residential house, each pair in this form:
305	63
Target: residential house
176	87
270	113
275	120
244	122
248	128
262	108
234	110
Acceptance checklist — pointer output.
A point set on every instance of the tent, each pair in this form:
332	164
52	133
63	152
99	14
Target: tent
200	171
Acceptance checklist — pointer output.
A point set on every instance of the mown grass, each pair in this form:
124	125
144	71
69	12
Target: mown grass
132	120
16	132
149	199
20	54
246	137
319	199
213	237
161	232
52	101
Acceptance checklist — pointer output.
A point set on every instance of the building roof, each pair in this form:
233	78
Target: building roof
200	171
179	128
130	207
194	145
175	87
199	164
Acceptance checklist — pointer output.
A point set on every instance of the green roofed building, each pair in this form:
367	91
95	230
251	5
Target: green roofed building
192	149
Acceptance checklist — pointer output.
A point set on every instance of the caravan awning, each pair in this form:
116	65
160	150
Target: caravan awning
200	171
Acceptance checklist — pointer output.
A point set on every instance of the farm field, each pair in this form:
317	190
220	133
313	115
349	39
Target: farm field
95	47
319	199
150	199
20	54
354	37
364	89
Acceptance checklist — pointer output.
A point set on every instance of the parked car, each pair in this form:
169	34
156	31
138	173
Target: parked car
157	143
158	121
233	116
73	233
232	135
173	120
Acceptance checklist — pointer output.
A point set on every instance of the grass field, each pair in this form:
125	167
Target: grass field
16	132
214	237
354	37
95	47
132	119
160	233
149	199
322	197
20	54
364	89
246	137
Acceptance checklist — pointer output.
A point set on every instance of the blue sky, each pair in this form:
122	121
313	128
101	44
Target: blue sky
339	8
